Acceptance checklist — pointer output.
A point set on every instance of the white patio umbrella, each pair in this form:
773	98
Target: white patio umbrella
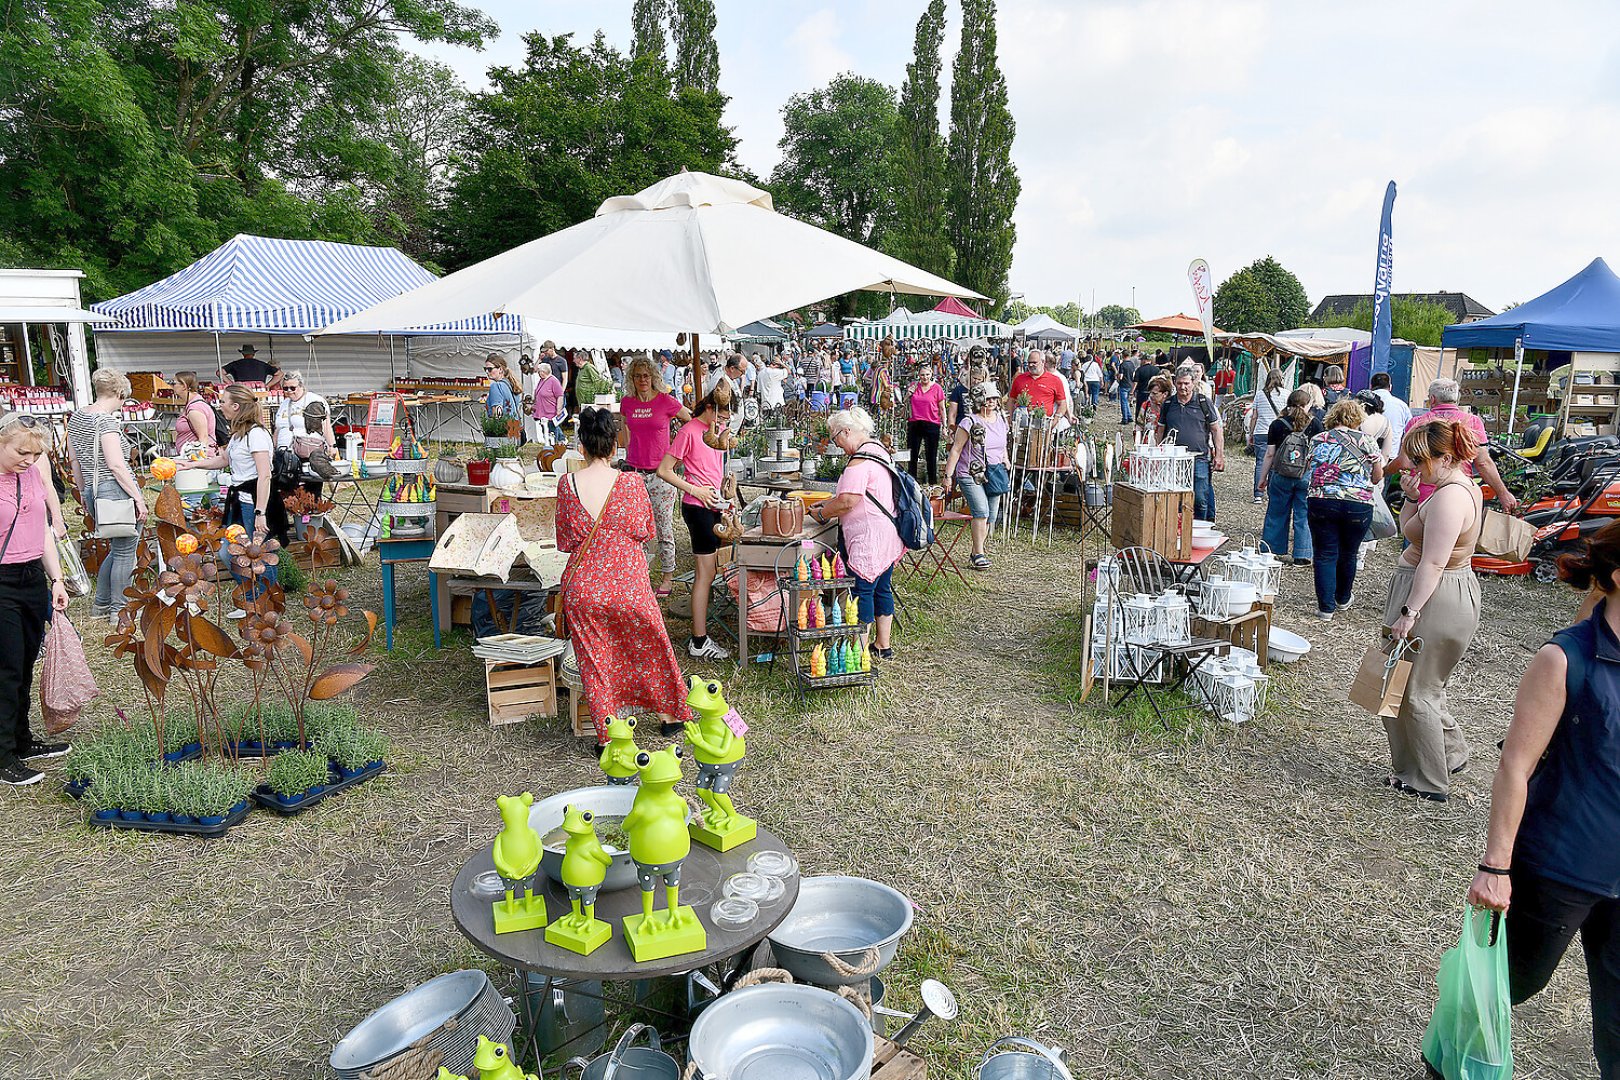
694	253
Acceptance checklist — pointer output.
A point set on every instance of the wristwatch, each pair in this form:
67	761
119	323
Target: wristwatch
1408	613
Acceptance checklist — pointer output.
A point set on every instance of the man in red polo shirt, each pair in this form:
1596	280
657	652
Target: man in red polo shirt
1443	397
1045	389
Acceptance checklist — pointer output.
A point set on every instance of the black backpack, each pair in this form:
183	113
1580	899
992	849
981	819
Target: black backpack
913	515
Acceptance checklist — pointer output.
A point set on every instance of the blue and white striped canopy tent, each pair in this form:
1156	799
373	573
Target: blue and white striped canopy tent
255	284
905	325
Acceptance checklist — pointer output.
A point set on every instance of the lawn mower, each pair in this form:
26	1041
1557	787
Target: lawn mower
1563	523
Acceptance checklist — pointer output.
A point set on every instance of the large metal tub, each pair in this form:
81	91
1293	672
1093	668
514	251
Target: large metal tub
846	917
782	1032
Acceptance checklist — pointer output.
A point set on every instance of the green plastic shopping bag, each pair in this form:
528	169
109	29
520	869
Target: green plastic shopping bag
1469	1036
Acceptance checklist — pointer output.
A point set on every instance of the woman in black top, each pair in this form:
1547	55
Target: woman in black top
1287	489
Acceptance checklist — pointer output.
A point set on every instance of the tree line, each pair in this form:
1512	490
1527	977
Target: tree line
136	137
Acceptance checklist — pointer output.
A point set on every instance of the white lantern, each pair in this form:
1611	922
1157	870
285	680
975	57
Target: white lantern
1140	619
1234	696
1215	597
1173	619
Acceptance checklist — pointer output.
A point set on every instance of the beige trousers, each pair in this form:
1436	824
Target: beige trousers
1425	744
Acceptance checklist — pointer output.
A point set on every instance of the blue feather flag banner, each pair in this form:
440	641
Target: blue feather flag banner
1381	327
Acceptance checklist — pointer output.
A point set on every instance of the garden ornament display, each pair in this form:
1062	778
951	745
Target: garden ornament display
618	759
716	737
584	866
493	1061
659	843
517	857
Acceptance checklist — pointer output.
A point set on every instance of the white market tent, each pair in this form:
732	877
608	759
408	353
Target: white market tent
904	325
1042	327
693	253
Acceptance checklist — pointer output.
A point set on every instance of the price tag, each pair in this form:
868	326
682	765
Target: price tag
734	721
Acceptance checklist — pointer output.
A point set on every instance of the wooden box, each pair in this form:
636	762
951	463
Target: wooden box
146	385
578	711
518	691
1158	520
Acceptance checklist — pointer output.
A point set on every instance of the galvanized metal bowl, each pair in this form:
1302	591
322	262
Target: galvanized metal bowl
847	917
782	1032
546	816
419	1011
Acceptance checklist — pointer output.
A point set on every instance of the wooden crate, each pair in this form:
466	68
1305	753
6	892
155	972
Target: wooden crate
578	711
1251	631
889	1062
1159	520
516	692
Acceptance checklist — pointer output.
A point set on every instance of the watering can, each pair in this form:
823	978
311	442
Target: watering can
1024	1059
628	1062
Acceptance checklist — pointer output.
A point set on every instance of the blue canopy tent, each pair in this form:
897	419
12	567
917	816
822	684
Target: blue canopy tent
826	330
1581	315
763	331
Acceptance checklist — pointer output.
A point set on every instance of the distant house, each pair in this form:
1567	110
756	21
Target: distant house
1464	308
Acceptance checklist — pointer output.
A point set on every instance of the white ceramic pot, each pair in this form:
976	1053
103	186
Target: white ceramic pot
506	472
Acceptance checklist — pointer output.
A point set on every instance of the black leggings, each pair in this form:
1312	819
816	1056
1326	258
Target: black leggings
25	605
1543	919
921	433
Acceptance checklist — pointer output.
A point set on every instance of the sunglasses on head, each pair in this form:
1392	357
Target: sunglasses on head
22	418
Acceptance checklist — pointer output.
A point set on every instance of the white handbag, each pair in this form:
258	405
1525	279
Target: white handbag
115	518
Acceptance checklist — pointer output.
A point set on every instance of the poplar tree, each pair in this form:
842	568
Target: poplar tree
919	235
647	25
981	181
697	54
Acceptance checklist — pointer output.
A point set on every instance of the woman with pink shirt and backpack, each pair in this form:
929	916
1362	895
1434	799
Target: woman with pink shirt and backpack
864	505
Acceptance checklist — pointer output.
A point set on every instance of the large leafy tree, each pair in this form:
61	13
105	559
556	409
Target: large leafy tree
424	129
836	166
1418	321
697	53
568	128
982	182
919	235
1118	316
1263	297
134	136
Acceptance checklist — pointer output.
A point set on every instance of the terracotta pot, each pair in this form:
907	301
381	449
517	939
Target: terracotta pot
478	471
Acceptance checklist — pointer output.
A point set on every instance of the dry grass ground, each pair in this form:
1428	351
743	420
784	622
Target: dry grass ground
1208	901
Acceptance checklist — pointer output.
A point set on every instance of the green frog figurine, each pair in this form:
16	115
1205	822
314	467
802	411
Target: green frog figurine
719	751
659	842
494	1062
584	866
446	1074
517	857
618	759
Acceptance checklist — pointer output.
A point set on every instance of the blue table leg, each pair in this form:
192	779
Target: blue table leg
388	604
433	605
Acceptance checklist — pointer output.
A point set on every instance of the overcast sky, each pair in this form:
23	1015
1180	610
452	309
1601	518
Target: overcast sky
1156	131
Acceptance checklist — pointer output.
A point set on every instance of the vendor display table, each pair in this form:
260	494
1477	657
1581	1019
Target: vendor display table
769	554
702	875
941	553
1191	569
544	572
391	553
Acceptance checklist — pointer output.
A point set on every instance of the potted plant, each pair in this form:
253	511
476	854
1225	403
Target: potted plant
108	796
151	795
498	435
354	751
478	466
294	776
220	792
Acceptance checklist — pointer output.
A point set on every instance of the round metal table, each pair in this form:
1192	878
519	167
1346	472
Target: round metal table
702	875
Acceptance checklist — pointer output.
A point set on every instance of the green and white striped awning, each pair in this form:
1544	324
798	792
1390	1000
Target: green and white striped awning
927	326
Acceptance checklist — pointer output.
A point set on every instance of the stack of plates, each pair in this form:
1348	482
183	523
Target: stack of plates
468	997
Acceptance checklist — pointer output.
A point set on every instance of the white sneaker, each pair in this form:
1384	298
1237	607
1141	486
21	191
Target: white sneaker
709	650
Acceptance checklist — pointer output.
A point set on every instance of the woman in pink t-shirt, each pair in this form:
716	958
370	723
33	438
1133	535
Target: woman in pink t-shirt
922	433
864	505
701	506
644	414
548	407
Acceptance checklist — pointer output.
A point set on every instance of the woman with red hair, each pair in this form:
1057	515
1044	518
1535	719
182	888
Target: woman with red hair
1434	595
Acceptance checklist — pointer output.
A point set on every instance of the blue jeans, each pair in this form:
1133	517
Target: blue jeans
238	512
1203	490
1093	391
1287	501
981	504
1124	392
1338	527
1258	441
874	599
114	574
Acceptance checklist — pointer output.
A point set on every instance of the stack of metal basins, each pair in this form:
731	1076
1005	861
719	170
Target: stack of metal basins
467	997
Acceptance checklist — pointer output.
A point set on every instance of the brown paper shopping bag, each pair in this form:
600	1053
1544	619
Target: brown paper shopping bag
1380	682
1505	537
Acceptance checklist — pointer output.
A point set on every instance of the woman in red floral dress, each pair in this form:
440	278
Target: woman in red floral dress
603	517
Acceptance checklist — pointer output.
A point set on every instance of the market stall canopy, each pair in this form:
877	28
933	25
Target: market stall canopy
44	313
1043	327
1310	348
256	284
1581	315
1183	324
826	330
952	306
694	253
903	325
762	330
